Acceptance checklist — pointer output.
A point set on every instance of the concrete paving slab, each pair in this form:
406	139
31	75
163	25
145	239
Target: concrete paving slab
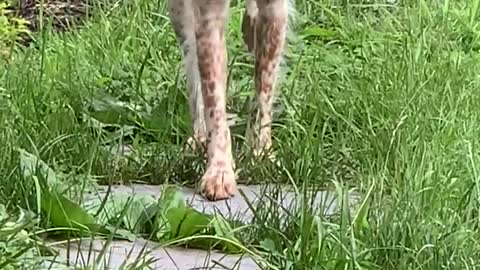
123	253
237	207
174	258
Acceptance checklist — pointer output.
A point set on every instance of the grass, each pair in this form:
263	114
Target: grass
380	96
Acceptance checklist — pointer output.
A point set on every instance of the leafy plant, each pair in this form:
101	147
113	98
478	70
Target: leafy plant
10	29
167	219
19	247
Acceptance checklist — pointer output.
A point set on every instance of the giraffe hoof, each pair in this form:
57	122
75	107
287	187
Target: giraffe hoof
218	183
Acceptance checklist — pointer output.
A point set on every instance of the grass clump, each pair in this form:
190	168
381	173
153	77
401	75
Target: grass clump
11	27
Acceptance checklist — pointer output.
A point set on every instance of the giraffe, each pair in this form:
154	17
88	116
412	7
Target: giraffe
199	26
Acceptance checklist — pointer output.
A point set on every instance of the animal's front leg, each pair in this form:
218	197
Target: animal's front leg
218	182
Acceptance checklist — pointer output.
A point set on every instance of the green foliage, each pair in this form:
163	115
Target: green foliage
170	216
10	29
17	243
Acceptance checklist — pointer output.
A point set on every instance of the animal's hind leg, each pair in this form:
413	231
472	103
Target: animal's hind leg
270	29
183	21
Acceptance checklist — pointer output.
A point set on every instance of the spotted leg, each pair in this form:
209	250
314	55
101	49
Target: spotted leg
218	182
199	26
183	21
270	32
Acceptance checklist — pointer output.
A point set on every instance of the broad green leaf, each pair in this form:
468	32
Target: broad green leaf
110	111
63	212
224	229
30	163
186	222
133	210
171	198
268	245
139	211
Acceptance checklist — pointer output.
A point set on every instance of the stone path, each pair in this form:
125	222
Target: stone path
172	258
122	252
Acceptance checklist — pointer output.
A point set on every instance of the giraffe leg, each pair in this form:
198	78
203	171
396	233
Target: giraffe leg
271	28
218	182
183	21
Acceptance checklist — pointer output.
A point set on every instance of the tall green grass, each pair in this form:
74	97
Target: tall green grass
379	95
